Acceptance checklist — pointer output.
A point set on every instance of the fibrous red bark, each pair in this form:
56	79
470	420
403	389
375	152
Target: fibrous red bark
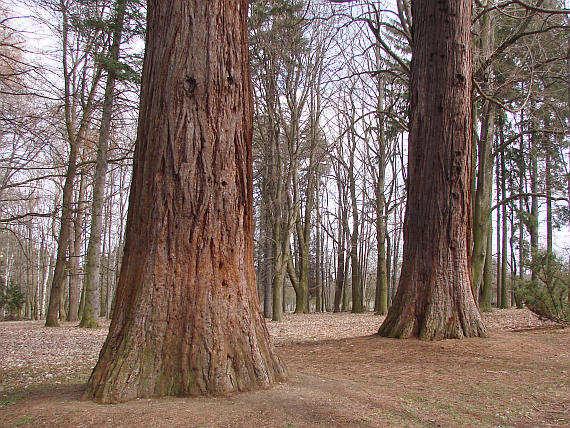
434	298
186	319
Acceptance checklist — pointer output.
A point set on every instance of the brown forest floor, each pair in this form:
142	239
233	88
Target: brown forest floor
338	375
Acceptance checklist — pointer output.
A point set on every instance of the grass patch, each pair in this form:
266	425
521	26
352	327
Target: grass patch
10	399
24	420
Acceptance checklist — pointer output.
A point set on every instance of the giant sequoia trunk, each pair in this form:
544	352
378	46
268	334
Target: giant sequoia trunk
186	319
434	298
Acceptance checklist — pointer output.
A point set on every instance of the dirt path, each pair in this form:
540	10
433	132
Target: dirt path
518	376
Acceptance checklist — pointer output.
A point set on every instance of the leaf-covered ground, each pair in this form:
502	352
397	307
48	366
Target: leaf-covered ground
339	374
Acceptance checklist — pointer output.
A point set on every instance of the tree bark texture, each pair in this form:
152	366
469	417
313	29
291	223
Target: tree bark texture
186	319
434	298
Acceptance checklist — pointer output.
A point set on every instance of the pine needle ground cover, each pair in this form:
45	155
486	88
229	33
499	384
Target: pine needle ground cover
340	374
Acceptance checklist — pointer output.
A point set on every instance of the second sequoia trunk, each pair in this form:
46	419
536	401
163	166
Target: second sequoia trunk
186	319
434	298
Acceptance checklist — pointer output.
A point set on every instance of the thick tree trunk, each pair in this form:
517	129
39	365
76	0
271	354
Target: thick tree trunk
186	319
434	298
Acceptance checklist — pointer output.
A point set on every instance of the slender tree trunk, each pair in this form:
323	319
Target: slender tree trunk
64	304
318	264
75	281
513	261
381	295
104	263
74	137
340	272
267	268
483	197
487	283
395	257
109	274
498	228
280	266
388	270
434	299
504	227
533	227
521	180
345	294
356	284
339	280
93	259
59	275
484	189
303	227
30	292
548	188
568	127
186	319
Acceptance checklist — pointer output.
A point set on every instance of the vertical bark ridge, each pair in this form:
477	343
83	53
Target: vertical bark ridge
434	298
186	319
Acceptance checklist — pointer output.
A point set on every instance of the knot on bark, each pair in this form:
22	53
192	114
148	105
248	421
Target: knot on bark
190	85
